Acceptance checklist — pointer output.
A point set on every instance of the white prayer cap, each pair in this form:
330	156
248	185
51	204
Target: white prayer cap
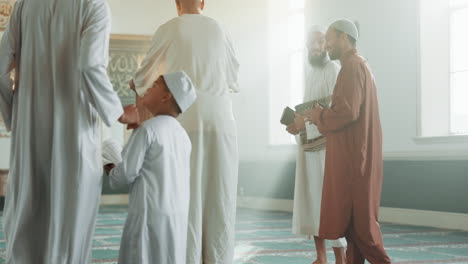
317	28
181	88
347	27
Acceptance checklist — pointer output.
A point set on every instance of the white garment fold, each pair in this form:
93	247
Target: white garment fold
111	152
156	165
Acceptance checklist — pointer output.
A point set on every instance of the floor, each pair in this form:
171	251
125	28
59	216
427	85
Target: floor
265	238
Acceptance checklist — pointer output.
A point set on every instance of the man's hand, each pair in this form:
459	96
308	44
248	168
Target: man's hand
313	115
13	77
292	129
130	116
299	122
108	168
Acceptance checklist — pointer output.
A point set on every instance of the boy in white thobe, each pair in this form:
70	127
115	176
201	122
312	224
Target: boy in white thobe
156	165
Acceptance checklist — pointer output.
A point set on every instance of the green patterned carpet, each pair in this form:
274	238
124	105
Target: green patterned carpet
265	238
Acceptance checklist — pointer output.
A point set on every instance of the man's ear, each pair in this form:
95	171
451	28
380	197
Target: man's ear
202	4
344	36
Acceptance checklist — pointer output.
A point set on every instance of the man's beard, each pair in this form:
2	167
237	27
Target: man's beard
334	56
318	61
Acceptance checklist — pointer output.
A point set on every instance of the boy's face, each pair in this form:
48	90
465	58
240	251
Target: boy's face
157	97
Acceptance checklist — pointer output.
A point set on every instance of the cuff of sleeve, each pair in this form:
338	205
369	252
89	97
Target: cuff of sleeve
234	88
113	117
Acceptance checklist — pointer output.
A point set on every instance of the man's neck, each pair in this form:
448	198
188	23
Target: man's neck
172	113
191	11
345	53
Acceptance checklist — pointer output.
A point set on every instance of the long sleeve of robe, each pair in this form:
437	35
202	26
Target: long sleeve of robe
55	173
156	165
133	157
8	47
353	164
93	61
346	102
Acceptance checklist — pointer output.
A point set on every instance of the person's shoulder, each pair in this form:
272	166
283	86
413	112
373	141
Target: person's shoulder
153	127
360	63
332	66
206	19
165	126
161	123
212	23
153	122
356	59
168	24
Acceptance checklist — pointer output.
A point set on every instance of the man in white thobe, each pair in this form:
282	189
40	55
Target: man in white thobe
199	46
60	50
310	166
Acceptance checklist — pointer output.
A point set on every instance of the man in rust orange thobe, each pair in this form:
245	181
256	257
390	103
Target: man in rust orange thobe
353	166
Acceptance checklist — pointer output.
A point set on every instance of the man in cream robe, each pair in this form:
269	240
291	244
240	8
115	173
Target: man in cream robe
199	46
310	166
59	48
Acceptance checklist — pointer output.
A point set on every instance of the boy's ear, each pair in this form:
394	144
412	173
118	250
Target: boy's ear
167	97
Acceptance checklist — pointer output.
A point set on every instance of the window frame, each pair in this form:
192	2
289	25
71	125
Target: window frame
452	10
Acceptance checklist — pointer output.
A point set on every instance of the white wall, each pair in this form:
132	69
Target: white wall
390	42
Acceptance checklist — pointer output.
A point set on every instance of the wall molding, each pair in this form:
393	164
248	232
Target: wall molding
265	203
435	219
427	155
114	199
444	220
450	139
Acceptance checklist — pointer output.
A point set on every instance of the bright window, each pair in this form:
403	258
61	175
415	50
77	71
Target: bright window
287	64
459	67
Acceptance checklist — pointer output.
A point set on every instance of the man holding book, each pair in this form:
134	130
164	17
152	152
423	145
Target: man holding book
320	82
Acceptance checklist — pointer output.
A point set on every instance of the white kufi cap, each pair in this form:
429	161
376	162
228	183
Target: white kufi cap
181	88
347	27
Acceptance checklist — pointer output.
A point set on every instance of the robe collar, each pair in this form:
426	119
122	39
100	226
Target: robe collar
347	55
